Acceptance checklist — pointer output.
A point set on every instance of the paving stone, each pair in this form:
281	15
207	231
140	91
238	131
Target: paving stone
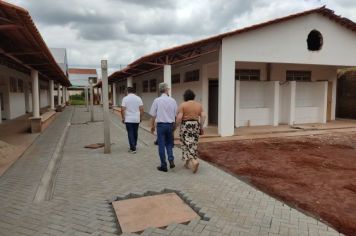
87	178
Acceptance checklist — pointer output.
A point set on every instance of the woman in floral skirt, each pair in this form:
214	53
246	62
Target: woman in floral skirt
191	118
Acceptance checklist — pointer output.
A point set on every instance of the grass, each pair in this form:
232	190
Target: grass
77	102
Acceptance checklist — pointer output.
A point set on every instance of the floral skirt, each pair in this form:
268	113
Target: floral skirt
189	136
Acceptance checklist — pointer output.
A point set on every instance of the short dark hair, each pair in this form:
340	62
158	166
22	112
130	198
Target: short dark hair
188	95
130	90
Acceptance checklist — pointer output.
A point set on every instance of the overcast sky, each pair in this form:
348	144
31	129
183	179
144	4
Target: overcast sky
123	30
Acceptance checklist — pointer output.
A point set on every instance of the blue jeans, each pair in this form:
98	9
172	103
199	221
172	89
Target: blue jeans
165	142
132	133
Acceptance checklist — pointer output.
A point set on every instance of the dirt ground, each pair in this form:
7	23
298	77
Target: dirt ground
316	174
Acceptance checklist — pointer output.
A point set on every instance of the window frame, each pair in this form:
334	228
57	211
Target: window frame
299	75
248	74
192	76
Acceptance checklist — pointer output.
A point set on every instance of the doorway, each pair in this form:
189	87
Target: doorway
213	101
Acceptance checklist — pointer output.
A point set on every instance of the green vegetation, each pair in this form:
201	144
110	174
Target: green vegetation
77	99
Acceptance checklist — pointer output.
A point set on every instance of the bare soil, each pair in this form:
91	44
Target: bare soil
316	174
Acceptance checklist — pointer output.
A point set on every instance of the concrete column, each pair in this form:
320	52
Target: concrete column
35	94
237	103
293	87
62	95
86	98
59	94
129	82
275	111
91	102
105	93
205	92
226	94
114	94
51	93
101	95
167	77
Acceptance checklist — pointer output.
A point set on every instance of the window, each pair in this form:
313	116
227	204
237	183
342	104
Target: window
13	85
145	86
314	40
153	85
247	74
298	75
20	86
176	79
191	76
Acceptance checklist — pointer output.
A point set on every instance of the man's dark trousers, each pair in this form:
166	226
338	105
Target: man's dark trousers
165	142
132	133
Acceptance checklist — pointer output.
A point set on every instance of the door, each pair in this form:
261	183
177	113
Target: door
213	101
329	101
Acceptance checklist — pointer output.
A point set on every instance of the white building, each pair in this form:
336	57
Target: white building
28	71
282	71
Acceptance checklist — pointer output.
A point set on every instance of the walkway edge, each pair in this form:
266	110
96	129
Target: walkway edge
44	190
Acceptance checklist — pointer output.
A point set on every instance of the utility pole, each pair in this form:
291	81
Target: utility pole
105	97
86	97
91	81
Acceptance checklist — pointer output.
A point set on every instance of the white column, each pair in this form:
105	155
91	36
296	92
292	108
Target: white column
237	103
51	93
129	82
205	92
114	94
275	118
324	101
226	94
59	95
293	86
334	94
35	94
62	95
167	77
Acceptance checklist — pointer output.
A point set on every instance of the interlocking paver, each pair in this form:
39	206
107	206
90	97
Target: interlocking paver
88	179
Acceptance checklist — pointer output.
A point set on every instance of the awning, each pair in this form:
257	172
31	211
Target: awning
21	43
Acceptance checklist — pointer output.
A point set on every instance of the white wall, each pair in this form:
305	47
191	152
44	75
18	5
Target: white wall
310	105
285	42
17	105
256	103
14	103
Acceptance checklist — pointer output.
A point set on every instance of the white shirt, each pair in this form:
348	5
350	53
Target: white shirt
164	108
132	104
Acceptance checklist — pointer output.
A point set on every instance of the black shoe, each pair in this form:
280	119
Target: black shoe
171	164
162	169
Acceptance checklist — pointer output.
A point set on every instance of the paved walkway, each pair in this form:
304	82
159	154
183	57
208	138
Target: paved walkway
87	179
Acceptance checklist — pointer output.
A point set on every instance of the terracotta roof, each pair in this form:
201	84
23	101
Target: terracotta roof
130	69
82	71
22	42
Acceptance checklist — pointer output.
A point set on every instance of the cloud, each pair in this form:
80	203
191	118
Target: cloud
124	30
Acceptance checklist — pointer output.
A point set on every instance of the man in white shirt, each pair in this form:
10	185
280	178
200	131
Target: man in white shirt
163	112
131	113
